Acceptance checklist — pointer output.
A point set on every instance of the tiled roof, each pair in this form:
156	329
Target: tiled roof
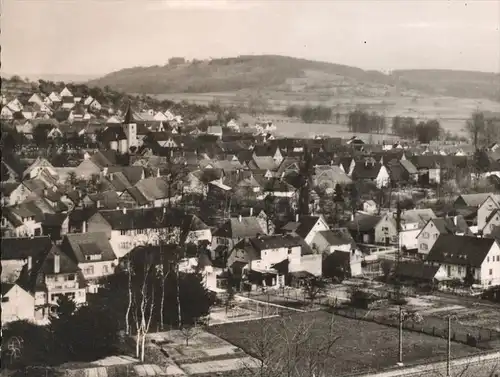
143	218
460	250
80	245
240	228
22	248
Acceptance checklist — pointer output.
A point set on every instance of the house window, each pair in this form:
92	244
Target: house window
5	299
139	231
436	236
289	250
423	246
498	258
70	277
104	269
491	271
89	270
385	229
123	232
425	235
487	259
460	270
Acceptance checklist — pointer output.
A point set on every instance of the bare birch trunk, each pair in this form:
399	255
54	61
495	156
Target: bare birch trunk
143	346
137	344
179	314
162	302
129	307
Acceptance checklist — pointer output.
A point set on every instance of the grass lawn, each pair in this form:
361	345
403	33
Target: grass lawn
362	346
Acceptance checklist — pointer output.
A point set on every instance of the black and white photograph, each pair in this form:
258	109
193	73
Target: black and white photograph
250	188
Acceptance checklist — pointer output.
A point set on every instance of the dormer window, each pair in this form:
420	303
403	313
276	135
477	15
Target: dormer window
93	257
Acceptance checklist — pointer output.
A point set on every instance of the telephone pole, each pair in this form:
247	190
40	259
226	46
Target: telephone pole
448	356
400	359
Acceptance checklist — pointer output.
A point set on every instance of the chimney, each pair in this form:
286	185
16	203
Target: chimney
84	227
296	217
30	263
57	263
239	218
251	211
124	210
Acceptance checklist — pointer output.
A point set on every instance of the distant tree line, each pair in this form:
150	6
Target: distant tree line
363	121
408	128
309	114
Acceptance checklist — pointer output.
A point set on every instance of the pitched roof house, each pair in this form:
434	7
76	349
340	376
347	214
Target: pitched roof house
459	256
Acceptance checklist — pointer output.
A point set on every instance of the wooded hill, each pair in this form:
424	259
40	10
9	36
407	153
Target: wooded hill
272	72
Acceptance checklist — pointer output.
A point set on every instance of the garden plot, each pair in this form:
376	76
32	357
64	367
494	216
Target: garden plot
201	353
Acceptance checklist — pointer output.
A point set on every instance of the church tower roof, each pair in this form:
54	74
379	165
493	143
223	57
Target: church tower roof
129	117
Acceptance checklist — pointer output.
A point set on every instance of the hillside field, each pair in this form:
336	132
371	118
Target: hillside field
451	112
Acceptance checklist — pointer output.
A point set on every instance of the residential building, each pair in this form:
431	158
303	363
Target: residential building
412	221
306	227
55	275
17	304
459	256
435	227
93	254
129	228
233	231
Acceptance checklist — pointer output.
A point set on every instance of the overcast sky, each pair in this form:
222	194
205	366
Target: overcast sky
100	36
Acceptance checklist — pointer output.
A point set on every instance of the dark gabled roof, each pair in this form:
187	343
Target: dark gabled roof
13	163
22	248
137	195
363	223
132	173
107	199
191	223
34	280
448	225
79	245
338	236
419	271
6	287
54	219
143	218
6	188
366	170
113	133
240	228
427	161
303	227
79	215
460	250
104	158
129	116
275	241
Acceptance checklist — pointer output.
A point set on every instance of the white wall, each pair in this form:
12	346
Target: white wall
484	211
311	263
427	238
273	256
408	238
318	227
19	305
491	264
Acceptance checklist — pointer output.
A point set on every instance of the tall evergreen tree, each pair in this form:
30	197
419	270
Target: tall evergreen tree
306	172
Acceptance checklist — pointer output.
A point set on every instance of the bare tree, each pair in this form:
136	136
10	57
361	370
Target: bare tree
190	332
293	352
313	287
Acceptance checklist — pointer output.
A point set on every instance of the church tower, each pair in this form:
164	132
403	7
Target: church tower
130	129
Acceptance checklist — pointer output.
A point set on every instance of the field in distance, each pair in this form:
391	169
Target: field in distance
450	111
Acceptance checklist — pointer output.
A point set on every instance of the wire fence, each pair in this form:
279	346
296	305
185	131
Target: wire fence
466	334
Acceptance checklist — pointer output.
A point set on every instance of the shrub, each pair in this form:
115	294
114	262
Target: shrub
360	299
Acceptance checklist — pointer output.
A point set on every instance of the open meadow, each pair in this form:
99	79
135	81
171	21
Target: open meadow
450	111
361	346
